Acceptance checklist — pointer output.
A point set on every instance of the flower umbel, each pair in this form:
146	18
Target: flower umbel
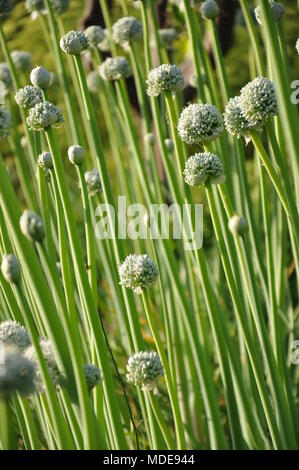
126	30
16	373
201	167
144	369
167	78
138	272
44	115
258	101
28	97
115	68
15	334
48	353
234	120
95	35
199	122
22	60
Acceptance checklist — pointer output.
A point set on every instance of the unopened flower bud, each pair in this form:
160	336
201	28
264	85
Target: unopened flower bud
74	42
93	376
76	154
238	225
10	268
32	226
93	181
40	77
45	160
209	9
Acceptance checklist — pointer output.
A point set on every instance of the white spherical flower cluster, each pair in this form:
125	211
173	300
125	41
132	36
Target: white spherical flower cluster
126	30
95	35
138	272
5	123
76	154
258	101
199	123
234	120
167	36
238	225
16	373
60	6
144	368
28	97
93	80
167	78
40	77
15	334
277	10
93	376
115	68
93	182
45	160
44	115
6	7
49	357
104	45
203	167
22	60
74	42
209	9
32	226
5	76
10	268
